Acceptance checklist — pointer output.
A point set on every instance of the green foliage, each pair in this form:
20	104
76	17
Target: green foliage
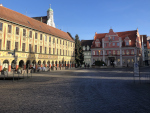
19	68
5	69
79	57
100	63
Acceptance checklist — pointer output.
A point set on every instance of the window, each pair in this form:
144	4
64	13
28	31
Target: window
40	36
45	50
102	52
63	42
132	52
127	43
118	44
66	43
30	48
123	52
118	52
35	35
127	52
1	26
93	52
16	46
9	28
109	44
0	44
63	52
96	52
17	30
113	52
24	32
60	51
105	44
23	47
66	52
60	41
40	49
57	41
109	38
45	38
8	45
49	50
113	44
109	52
53	51
53	40
35	48
30	34
49	39
113	38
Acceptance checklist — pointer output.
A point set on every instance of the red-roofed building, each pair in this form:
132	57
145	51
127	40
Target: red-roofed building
119	48
36	43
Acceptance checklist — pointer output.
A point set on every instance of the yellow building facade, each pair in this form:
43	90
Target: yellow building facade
36	44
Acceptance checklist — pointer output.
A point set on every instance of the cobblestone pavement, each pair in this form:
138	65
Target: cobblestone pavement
77	91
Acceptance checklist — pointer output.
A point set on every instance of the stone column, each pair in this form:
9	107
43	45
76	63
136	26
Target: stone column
9	68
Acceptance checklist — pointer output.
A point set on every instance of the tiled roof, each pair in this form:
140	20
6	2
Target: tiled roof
131	34
13	16
86	42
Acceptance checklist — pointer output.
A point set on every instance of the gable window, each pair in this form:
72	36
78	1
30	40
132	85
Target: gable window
127	43
113	44
17	30
40	36
113	38
1	26
8	45
9	28
35	35
24	32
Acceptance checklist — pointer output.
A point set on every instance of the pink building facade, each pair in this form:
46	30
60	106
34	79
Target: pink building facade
117	48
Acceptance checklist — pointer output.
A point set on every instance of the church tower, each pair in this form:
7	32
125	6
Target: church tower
50	19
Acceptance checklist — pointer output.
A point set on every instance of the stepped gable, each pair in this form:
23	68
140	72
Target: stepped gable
18	18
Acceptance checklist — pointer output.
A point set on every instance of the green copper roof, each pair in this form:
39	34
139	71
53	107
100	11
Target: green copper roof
50	9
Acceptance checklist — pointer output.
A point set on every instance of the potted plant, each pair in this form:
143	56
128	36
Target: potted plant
4	71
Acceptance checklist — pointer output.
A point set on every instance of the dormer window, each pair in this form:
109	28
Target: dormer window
113	38
127	43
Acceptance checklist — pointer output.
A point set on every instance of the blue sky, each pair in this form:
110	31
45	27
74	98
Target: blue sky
85	17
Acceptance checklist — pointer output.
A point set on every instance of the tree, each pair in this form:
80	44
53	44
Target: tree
79	58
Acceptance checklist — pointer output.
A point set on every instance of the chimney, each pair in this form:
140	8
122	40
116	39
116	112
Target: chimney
1	4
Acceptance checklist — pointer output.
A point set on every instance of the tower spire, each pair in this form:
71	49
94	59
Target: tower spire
49	5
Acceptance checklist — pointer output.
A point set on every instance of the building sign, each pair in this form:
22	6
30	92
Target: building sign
136	69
